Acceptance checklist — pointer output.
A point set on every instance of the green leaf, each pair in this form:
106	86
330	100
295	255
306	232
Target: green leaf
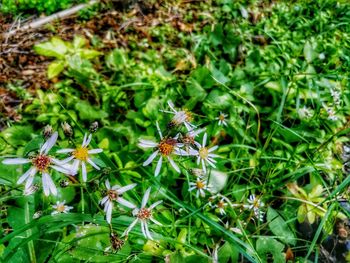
55	68
89	54
265	245
279	227
228	253
88	112
54	48
18	135
309	52
79	41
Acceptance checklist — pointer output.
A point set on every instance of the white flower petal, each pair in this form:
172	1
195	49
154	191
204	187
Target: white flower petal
104	200
94	151
155	204
126	188
123	202
84	140
93	164
147	143
213	148
204	140
126	232
30	172
107	184
16	161
145	197
49	143
159	131
204	167
150	158
75	166
29	182
60	169
159	166
171	106
64	161
83	171
65	150
143	228
174	165
155	221
147	232
109	210
88	141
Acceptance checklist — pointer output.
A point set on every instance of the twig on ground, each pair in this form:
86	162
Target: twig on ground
42	21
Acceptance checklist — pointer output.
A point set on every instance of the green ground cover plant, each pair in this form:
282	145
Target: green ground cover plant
219	136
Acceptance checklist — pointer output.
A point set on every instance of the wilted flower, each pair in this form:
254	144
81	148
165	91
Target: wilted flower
222	119
221	205
67	129
47	132
60	208
205	155
81	155
41	163
189	140
180	117
165	148
93	127
200	185
114	194
144	215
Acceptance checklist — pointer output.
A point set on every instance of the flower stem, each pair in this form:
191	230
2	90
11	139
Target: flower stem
29	233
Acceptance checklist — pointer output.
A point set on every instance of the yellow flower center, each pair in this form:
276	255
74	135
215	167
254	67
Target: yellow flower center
189	116
203	153
221	204
166	146
60	208
144	213
200	185
81	153
221	117
41	162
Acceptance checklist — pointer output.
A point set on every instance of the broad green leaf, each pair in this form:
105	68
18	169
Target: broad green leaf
55	68
89	112
89	53
266	245
79	42
228	253
53	48
279	227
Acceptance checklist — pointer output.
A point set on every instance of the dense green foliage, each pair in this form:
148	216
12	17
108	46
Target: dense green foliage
16	7
280	72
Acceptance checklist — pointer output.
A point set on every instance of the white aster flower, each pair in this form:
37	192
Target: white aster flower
144	215
41	163
221	205
305	113
60	208
189	140
165	148
180	117
200	185
81	155
114	194
336	96
222	119
256	204
331	113
205	155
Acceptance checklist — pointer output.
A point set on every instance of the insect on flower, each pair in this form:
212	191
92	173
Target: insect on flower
41	163
114	194
81	155
165	148
144	215
60	208
180	117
